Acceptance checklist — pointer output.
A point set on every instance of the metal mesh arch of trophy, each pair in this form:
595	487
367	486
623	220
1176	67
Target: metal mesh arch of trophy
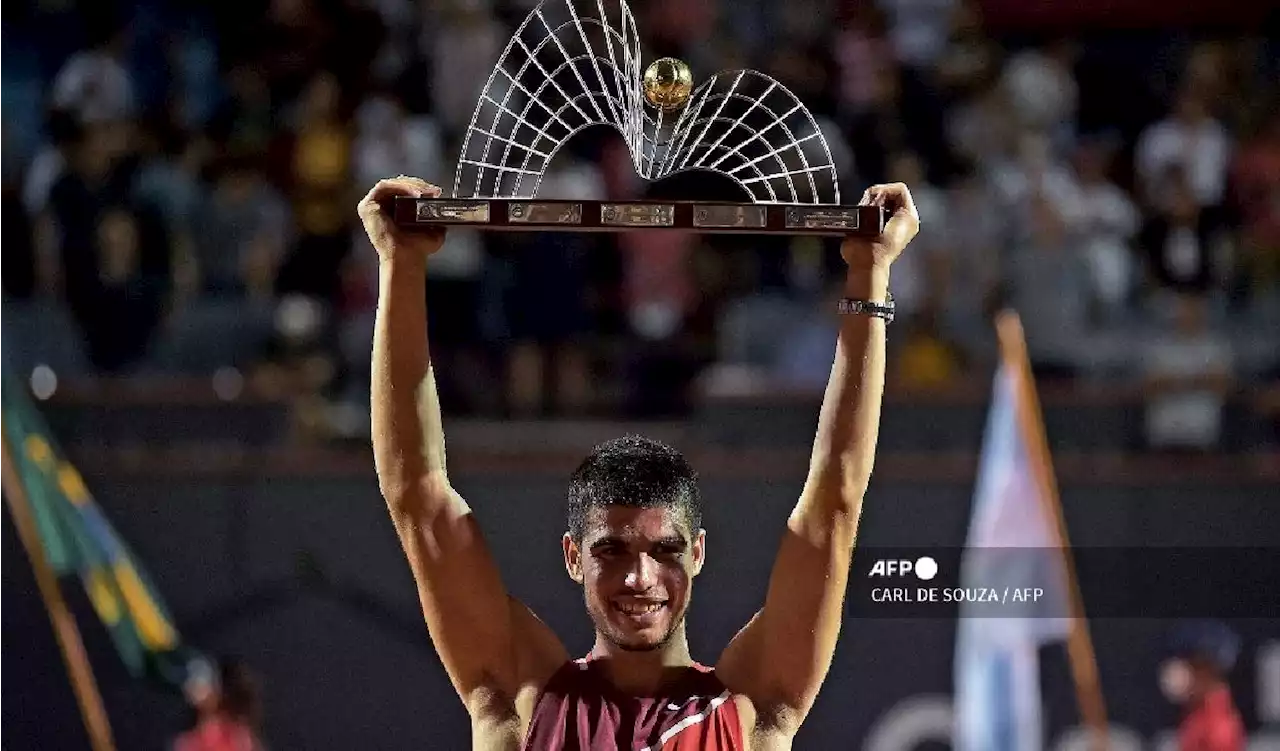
576	63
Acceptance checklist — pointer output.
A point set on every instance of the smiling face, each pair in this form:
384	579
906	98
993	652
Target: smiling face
636	568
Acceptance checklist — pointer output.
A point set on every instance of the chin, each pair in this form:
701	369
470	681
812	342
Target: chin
631	641
647	639
640	646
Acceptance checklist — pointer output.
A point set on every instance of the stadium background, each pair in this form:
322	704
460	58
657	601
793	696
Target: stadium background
186	293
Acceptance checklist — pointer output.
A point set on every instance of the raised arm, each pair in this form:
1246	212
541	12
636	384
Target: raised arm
781	657
489	644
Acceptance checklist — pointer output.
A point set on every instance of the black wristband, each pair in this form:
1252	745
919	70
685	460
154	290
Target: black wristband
885	310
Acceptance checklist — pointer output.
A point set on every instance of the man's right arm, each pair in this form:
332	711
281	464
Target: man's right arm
486	641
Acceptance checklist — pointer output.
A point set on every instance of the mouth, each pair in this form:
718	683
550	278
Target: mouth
640	613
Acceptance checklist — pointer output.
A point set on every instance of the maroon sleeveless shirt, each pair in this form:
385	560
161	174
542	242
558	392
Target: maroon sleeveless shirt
578	710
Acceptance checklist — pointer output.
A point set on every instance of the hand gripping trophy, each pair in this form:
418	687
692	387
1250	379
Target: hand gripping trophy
576	63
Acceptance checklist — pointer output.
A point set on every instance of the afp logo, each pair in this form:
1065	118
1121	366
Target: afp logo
925	568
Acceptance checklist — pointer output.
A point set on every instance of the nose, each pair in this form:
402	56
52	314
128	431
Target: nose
642	574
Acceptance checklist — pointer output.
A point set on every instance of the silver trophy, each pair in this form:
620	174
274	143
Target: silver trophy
576	63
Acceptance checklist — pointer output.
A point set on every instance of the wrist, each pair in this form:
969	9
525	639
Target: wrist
397	272
404	263
868	282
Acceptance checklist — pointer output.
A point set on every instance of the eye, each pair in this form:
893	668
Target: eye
669	551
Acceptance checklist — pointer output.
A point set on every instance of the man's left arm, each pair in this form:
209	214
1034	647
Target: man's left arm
781	657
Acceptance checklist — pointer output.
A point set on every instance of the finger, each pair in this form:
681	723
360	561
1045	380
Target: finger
904	221
899	197
866	197
384	190
429	190
402	186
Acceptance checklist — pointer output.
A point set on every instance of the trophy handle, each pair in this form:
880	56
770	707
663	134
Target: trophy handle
525	215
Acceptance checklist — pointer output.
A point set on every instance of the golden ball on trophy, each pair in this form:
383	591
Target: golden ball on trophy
667	83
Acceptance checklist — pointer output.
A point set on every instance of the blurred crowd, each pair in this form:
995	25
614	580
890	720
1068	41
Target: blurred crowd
180	182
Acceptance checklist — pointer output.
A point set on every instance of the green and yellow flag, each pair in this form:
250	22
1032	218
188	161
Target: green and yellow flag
79	540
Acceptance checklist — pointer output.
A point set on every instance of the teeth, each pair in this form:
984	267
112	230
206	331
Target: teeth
639	608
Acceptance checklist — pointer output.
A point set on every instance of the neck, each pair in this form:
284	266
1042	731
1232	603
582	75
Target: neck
642	673
1209	689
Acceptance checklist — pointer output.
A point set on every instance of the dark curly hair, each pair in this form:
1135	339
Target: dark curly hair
637	472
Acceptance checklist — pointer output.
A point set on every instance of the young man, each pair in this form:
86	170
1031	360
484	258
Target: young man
635	543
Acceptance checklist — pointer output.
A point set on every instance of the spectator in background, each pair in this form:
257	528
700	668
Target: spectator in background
169	174
1191	139
978	130
169	178
95	84
464	58
289	45
863	56
809	72
543	287
926	358
389	141
1255	185
658	282
197	77
919	30
1201	655
320	180
1107	222
1178	240
398	51
51	161
921	359
1187	372
122	307
880	129
95	180
455	280
1032	171
971	59
228	710
1207	69
661	297
1049	287
967	270
1042	89
769	336
910	284
243	122
240	233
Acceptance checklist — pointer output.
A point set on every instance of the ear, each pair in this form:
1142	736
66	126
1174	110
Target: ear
572	557
699	551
